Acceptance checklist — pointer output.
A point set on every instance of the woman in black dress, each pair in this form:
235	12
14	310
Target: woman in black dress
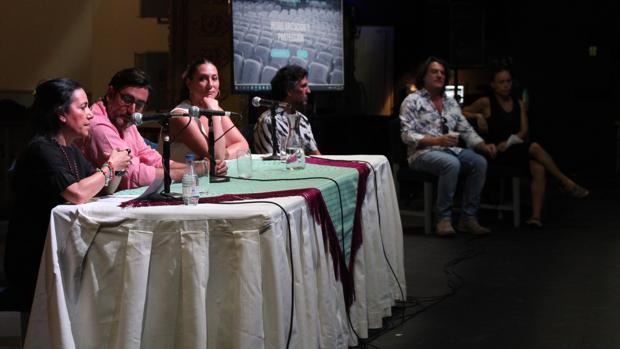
502	120
51	171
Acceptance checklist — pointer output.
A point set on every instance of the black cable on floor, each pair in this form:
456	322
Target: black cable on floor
455	282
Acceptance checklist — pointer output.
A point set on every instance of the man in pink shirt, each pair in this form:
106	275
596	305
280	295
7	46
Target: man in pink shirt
111	128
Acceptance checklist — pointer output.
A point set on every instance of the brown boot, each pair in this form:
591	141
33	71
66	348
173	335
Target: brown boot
469	224
444	227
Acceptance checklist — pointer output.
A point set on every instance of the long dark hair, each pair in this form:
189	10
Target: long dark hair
51	98
419	78
189	72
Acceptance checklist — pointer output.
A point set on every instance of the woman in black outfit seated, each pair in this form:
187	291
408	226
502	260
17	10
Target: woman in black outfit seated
502	120
51	171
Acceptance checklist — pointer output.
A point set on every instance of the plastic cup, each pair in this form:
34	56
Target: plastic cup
201	167
244	163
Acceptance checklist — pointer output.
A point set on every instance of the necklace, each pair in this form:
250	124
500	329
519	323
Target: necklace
72	164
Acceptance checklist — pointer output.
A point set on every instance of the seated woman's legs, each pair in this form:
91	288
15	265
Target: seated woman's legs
446	166
539	155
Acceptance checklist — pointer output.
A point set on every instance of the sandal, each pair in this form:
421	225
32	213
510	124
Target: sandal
578	191
534	223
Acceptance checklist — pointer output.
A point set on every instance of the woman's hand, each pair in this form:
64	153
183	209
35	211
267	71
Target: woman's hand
221	168
211	103
502	146
120	159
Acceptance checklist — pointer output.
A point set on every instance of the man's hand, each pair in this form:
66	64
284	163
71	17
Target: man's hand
447	140
487	148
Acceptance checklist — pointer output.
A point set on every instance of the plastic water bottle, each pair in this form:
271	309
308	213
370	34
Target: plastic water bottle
191	192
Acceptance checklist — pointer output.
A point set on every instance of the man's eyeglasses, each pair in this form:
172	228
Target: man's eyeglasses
444	125
129	100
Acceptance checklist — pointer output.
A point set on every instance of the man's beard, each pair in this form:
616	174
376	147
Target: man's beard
122	122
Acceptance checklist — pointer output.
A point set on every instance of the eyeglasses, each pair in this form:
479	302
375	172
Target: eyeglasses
444	125
129	100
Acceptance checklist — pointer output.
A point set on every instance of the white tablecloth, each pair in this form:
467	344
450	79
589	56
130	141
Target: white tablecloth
212	275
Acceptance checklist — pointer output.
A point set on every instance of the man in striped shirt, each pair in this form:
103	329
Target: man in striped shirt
289	85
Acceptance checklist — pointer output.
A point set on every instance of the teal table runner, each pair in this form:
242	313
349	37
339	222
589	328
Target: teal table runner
271	176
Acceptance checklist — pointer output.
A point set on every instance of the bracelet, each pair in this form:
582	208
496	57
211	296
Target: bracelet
106	176
110	169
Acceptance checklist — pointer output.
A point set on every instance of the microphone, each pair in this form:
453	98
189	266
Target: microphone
261	102
139	119
194	111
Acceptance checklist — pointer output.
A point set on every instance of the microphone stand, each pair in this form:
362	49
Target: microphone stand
457	97
213	177
165	129
274	139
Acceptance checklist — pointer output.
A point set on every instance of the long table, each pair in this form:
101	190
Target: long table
246	274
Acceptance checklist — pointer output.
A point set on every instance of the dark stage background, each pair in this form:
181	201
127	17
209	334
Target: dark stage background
566	57
572	93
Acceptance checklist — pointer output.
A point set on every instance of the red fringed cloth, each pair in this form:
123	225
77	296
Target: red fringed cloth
363	171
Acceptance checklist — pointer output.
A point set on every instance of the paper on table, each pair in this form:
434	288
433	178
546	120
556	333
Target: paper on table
155	187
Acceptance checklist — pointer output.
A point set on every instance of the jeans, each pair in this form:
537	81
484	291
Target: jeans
447	165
